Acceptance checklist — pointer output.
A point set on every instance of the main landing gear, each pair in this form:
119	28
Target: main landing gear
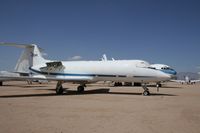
60	90
146	90
80	88
1	83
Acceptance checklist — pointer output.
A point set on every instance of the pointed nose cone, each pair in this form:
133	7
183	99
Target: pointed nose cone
163	76
173	72
170	72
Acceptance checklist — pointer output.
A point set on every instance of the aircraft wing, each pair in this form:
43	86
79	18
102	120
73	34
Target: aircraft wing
8	74
19	45
194	81
86	79
183	81
178	81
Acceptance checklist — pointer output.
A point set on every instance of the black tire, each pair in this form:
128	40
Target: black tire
160	85
59	91
1	83
80	89
118	84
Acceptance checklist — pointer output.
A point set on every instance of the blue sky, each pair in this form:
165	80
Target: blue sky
158	31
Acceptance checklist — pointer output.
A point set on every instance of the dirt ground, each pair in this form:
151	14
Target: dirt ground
100	109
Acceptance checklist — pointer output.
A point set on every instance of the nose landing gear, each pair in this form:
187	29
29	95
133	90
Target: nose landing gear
146	90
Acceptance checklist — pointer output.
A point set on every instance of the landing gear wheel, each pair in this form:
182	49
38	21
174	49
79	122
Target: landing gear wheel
1	83
146	93
118	84
59	88
80	89
59	91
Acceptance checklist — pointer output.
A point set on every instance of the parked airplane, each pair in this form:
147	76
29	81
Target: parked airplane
85	72
187	81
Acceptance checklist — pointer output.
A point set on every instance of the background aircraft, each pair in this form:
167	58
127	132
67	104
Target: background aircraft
16	73
186	81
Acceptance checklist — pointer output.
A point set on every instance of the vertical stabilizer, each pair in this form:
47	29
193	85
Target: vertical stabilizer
104	58
37	56
25	61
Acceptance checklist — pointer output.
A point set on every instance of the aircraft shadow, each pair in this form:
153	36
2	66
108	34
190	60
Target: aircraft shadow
86	92
165	86
173	87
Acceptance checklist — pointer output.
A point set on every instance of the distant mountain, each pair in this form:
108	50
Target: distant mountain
192	76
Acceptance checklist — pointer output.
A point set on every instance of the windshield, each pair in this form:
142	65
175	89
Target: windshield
166	68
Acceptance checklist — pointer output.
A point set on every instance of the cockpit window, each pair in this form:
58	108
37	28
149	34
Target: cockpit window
151	67
166	68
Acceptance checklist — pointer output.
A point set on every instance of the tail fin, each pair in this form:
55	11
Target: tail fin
31	56
36	55
24	62
104	58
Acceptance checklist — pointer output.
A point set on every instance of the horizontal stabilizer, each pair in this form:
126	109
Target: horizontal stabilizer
16	45
19	45
71	79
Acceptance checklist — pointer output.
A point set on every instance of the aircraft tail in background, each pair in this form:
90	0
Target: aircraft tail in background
31	56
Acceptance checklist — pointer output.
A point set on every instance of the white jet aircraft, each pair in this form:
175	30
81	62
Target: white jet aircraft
85	72
187	81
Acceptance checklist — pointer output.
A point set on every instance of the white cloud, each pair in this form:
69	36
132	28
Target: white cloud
77	57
